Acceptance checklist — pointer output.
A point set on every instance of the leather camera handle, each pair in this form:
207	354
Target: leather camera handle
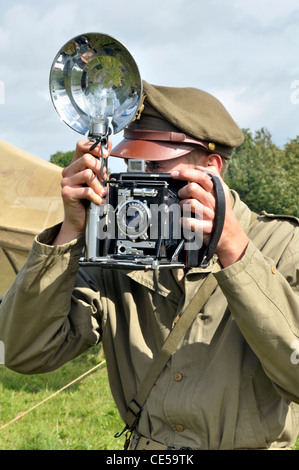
218	221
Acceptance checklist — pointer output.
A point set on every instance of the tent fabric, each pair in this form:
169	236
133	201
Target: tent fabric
30	201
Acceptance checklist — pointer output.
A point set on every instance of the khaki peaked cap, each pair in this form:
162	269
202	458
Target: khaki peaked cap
172	121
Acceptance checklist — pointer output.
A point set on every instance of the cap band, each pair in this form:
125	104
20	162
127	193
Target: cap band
177	137
151	150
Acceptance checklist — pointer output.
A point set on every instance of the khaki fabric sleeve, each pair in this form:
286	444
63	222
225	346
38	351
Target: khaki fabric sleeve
264	301
41	325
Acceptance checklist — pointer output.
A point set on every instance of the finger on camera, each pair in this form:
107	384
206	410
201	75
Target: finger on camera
191	205
85	162
196	175
70	193
77	165
198	226
195	207
94	164
84	178
196	191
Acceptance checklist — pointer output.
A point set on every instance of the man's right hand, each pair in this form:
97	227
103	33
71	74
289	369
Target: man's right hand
80	183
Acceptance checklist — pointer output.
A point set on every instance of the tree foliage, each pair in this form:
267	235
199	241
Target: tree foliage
62	158
264	175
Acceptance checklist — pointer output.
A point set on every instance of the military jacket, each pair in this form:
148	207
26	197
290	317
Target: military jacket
233	381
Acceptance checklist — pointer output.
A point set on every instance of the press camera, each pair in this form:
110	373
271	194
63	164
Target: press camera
96	89
140	225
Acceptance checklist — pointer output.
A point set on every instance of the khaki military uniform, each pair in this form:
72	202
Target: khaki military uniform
233	381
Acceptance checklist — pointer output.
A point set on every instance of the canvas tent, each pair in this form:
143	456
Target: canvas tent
29	202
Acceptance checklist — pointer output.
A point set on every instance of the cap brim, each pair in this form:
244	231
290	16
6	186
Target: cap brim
150	150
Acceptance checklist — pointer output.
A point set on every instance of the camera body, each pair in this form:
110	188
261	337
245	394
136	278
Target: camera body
139	227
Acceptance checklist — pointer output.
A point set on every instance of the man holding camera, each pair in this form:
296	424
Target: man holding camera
231	378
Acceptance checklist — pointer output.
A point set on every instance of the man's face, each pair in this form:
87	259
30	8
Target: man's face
190	160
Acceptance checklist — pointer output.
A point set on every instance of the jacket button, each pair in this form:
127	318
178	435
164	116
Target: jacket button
179	427
178	376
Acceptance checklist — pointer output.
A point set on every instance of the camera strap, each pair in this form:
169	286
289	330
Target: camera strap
208	252
182	324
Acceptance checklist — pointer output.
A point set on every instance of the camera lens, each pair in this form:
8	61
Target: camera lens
133	218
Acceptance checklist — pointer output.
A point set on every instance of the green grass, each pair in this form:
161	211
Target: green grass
81	417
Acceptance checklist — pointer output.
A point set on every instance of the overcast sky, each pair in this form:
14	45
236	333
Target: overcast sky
245	52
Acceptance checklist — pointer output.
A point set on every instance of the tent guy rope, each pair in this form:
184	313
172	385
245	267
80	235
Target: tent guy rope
24	413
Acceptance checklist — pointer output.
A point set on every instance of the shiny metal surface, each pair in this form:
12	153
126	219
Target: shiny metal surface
95	81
